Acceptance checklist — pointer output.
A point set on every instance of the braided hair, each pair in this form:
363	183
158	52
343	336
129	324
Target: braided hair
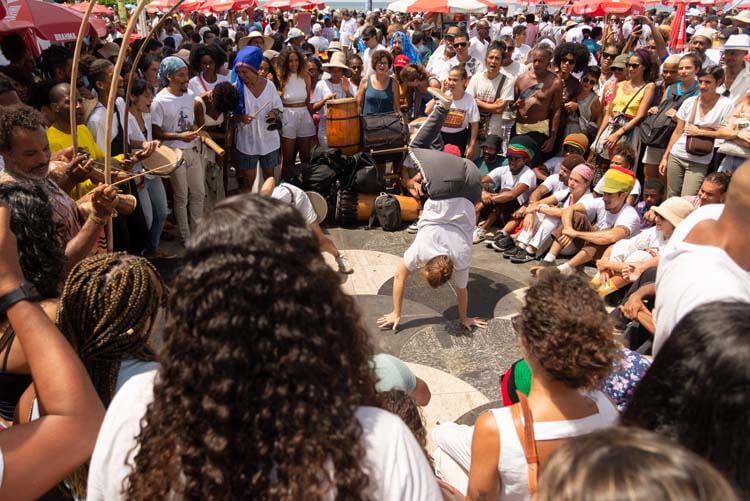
107	305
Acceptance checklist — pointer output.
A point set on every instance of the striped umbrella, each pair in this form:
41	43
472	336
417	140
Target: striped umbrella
448	6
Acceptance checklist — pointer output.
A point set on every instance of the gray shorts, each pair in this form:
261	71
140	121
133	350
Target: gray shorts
653	155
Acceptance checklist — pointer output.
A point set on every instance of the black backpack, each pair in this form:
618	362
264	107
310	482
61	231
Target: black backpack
387	212
366	177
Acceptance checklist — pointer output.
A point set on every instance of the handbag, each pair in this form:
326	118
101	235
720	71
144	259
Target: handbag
656	130
616	123
384	130
484	116
698	145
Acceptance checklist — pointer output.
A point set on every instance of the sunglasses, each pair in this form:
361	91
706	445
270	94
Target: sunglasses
609	56
364	39
633	66
460	45
588	81
568	60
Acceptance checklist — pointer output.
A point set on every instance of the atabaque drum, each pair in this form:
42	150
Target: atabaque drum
342	125
353	208
163	161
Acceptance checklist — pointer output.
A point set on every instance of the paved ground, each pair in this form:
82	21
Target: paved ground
461	368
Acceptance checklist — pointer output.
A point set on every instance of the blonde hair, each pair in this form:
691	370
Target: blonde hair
629	464
438	270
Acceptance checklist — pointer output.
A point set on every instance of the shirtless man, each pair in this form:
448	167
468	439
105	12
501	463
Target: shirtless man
539	115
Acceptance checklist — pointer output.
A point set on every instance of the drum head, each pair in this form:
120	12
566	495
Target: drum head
343	100
319	203
165	159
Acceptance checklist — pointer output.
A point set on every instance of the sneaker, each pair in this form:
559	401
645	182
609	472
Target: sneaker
522	257
344	266
543	266
413	227
479	234
503	243
444	100
511	252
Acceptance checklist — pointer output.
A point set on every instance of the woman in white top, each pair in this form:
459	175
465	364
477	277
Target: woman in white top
151	194
210	110
707	111
206	61
295	87
566	338
243	403
461	126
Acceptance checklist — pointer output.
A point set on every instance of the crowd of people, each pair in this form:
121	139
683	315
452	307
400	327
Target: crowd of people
592	148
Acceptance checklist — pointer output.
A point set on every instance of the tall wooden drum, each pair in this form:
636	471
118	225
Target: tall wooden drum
342	125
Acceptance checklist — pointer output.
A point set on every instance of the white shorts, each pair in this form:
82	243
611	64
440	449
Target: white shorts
653	155
297	122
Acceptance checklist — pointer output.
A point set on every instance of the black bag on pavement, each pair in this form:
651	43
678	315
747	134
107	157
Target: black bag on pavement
318	177
366	177
387	212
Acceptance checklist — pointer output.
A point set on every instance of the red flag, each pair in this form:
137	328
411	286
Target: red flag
678	37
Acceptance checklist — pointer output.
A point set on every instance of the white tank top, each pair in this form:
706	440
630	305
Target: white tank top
514	474
208	120
295	90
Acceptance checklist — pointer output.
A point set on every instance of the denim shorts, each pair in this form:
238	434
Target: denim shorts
267	161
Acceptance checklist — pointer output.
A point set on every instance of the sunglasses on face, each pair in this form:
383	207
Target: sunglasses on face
633	66
609	56
366	38
460	45
568	61
588	81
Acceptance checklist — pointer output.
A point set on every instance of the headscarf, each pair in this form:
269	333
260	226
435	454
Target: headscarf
406	47
250	57
168	67
584	171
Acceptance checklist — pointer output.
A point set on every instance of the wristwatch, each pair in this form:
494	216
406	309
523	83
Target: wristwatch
24	291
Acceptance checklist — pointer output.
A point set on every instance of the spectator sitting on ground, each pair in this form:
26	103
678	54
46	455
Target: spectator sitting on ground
641	251
653	195
575	143
713	190
491	157
623	156
507	189
592	225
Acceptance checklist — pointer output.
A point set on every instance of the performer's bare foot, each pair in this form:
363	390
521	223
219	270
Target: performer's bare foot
442	98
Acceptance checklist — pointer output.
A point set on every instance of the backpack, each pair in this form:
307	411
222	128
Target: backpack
387	212
366	177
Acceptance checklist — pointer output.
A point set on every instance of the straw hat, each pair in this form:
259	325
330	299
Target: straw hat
109	49
335	46
267	41
674	210
738	42
338	60
742	17
184	54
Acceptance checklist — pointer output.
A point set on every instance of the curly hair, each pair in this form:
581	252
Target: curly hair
566	328
18	116
39	252
211	50
438	270
399	402
697	390
226	97
627	152
628	464
413	73
244	401
282	65
575	49
378	55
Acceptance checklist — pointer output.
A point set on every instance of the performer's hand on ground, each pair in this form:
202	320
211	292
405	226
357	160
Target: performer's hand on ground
390	320
470	322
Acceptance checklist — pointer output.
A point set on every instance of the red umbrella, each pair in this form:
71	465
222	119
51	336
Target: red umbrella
596	8
160	5
99	9
191	5
678	36
225	5
50	21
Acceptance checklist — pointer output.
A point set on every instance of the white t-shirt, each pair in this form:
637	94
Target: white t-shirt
366	63
97	123
322	89
255	138
601	219
650	240
478	49
691	275
175	36
504	179
553	184
520	53
486	90
348	29
197	85
445	229
290	194
564	197
718	114
398	467
463	111
174	114
439	67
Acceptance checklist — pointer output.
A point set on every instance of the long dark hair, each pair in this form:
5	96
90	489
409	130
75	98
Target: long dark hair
282	65
697	391
264	365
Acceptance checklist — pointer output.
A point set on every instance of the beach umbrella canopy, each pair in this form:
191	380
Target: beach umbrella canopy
192	5
399	5
98	9
447	6
160	5
49	21
597	8
678	36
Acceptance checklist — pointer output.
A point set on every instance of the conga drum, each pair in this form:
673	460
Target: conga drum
353	208
342	125
163	161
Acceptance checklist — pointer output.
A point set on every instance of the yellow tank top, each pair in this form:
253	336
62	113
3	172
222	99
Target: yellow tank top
621	100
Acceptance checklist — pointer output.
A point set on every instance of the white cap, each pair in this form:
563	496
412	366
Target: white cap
294	33
506	31
738	42
317	28
694	11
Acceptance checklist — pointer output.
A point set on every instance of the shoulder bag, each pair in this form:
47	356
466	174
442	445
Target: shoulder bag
698	145
484	116
657	129
617	122
524	424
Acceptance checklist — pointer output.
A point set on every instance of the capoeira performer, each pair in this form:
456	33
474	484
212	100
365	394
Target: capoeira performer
442	247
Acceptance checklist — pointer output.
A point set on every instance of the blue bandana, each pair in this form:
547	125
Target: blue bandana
407	48
250	57
168	67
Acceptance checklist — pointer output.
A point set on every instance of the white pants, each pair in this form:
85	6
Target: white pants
189	185
540	234
453	454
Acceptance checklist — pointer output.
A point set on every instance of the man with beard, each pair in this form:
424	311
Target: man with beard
172	117
592	225
539	114
25	151
490	159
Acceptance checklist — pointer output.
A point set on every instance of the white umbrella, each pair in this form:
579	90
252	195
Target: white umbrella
399	5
